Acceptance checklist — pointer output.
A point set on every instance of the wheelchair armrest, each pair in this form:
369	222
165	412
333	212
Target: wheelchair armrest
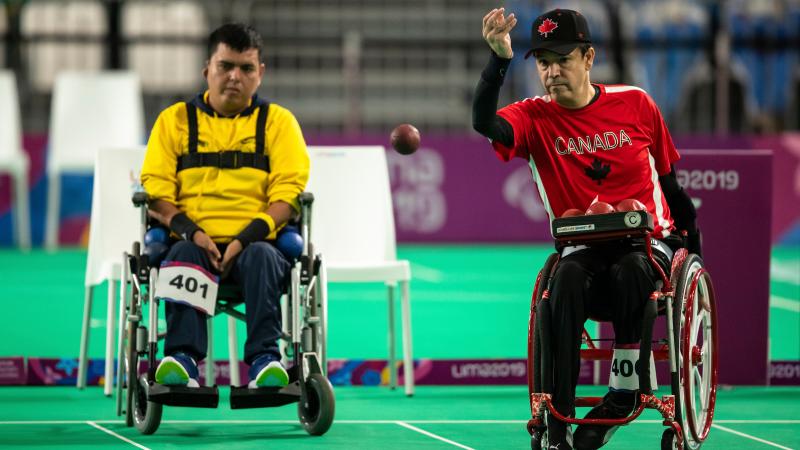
306	198
140	198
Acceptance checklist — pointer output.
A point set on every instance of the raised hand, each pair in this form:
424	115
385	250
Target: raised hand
496	29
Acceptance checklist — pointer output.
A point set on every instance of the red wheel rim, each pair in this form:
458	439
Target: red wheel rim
690	354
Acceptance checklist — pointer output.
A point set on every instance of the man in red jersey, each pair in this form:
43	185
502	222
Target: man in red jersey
586	143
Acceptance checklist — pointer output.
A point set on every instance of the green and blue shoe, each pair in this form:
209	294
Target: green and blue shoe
267	373
177	370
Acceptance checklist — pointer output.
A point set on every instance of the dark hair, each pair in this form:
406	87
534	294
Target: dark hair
238	36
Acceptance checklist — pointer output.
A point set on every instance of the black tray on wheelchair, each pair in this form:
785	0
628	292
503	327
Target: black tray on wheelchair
616	225
243	397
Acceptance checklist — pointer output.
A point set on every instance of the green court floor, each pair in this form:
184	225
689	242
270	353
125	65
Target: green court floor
467	302
369	418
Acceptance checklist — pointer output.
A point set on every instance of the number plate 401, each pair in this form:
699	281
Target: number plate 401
188	284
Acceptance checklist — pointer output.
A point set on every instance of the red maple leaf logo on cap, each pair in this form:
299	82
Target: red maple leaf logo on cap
547	27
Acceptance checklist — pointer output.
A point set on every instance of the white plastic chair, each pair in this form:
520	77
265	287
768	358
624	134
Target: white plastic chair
115	225
90	111
352	226
13	159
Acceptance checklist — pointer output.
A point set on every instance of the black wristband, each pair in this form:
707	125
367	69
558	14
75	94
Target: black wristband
495	70
183	226
256	230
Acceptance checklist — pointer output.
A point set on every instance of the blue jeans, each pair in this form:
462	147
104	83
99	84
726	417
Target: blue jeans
261	273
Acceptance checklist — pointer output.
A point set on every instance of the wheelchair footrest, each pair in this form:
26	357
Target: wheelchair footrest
244	397
199	397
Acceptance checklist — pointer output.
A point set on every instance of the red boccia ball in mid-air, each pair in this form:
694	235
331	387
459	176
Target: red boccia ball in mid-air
572	212
630	204
405	139
599	208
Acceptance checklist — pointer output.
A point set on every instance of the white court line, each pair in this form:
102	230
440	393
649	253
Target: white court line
106	430
739	433
49	422
776	421
352	422
787	272
784	303
375	422
435	436
425	273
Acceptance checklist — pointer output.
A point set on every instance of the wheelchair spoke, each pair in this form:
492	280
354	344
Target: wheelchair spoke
698	389
704	400
701	386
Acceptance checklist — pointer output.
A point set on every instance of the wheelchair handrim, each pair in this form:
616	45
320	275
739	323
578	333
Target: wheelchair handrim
697	320
531	335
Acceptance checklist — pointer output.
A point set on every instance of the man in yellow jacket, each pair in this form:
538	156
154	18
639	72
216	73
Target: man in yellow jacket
224	171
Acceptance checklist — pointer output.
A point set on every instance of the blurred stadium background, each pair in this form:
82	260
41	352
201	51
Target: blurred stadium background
354	66
726	75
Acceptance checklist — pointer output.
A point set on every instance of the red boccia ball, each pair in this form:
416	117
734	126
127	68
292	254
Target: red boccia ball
631	204
405	139
572	212
599	208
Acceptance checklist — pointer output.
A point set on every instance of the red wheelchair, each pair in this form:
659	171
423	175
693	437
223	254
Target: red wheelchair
684	297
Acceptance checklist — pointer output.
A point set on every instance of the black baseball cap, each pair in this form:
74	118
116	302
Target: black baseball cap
560	31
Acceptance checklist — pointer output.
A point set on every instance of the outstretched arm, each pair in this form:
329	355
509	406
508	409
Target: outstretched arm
496	29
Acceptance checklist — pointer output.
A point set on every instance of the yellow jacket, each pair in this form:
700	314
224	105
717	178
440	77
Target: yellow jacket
223	201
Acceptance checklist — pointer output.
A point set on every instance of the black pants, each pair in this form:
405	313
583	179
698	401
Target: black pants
608	282
261	272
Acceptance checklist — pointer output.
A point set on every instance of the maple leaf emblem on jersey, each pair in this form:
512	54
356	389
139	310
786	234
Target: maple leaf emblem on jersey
598	171
547	27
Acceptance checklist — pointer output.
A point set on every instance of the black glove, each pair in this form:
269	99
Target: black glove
694	242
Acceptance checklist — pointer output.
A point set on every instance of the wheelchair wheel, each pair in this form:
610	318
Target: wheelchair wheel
534	333
539	439
668	440
535	346
318	329
316	412
131	357
695	328
146	414
318	308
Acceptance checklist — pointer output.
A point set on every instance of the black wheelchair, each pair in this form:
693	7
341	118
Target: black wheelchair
140	399
684	297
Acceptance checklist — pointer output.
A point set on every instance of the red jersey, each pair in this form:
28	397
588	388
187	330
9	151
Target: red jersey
612	149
